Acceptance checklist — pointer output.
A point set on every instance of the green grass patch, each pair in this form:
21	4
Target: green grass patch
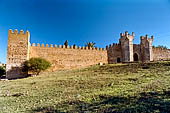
108	88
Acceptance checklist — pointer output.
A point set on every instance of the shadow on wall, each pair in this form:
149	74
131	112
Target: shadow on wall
16	73
144	102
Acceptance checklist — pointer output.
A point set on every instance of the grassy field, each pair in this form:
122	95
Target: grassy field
109	88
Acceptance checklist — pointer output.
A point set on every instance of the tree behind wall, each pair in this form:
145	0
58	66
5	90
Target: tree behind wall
161	47
90	44
66	43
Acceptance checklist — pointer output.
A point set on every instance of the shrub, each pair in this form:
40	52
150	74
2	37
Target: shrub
2	71
36	65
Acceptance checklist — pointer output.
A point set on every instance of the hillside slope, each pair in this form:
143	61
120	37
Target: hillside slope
108	88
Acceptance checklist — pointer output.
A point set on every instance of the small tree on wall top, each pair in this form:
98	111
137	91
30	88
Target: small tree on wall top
36	65
66	43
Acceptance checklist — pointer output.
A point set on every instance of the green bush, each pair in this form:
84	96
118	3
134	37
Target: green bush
2	71
36	65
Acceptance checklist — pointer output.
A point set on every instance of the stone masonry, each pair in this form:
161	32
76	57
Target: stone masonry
19	50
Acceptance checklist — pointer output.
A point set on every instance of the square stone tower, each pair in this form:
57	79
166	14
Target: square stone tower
146	48
126	42
17	53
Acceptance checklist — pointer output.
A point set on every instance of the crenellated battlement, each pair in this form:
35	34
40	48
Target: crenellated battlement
68	47
126	34
146	38
113	46
15	32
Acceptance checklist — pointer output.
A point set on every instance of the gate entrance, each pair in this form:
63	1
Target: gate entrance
136	58
118	60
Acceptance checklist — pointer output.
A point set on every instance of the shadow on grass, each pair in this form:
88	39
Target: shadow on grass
150	102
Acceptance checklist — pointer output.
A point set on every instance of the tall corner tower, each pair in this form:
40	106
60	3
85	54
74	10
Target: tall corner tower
17	53
126	41
146	48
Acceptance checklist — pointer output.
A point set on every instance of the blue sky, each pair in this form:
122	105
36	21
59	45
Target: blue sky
81	21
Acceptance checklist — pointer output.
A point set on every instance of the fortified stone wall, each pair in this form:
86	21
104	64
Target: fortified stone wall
114	53
161	54
61	57
69	58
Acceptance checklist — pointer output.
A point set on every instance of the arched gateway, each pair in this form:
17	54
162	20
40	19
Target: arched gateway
136	57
